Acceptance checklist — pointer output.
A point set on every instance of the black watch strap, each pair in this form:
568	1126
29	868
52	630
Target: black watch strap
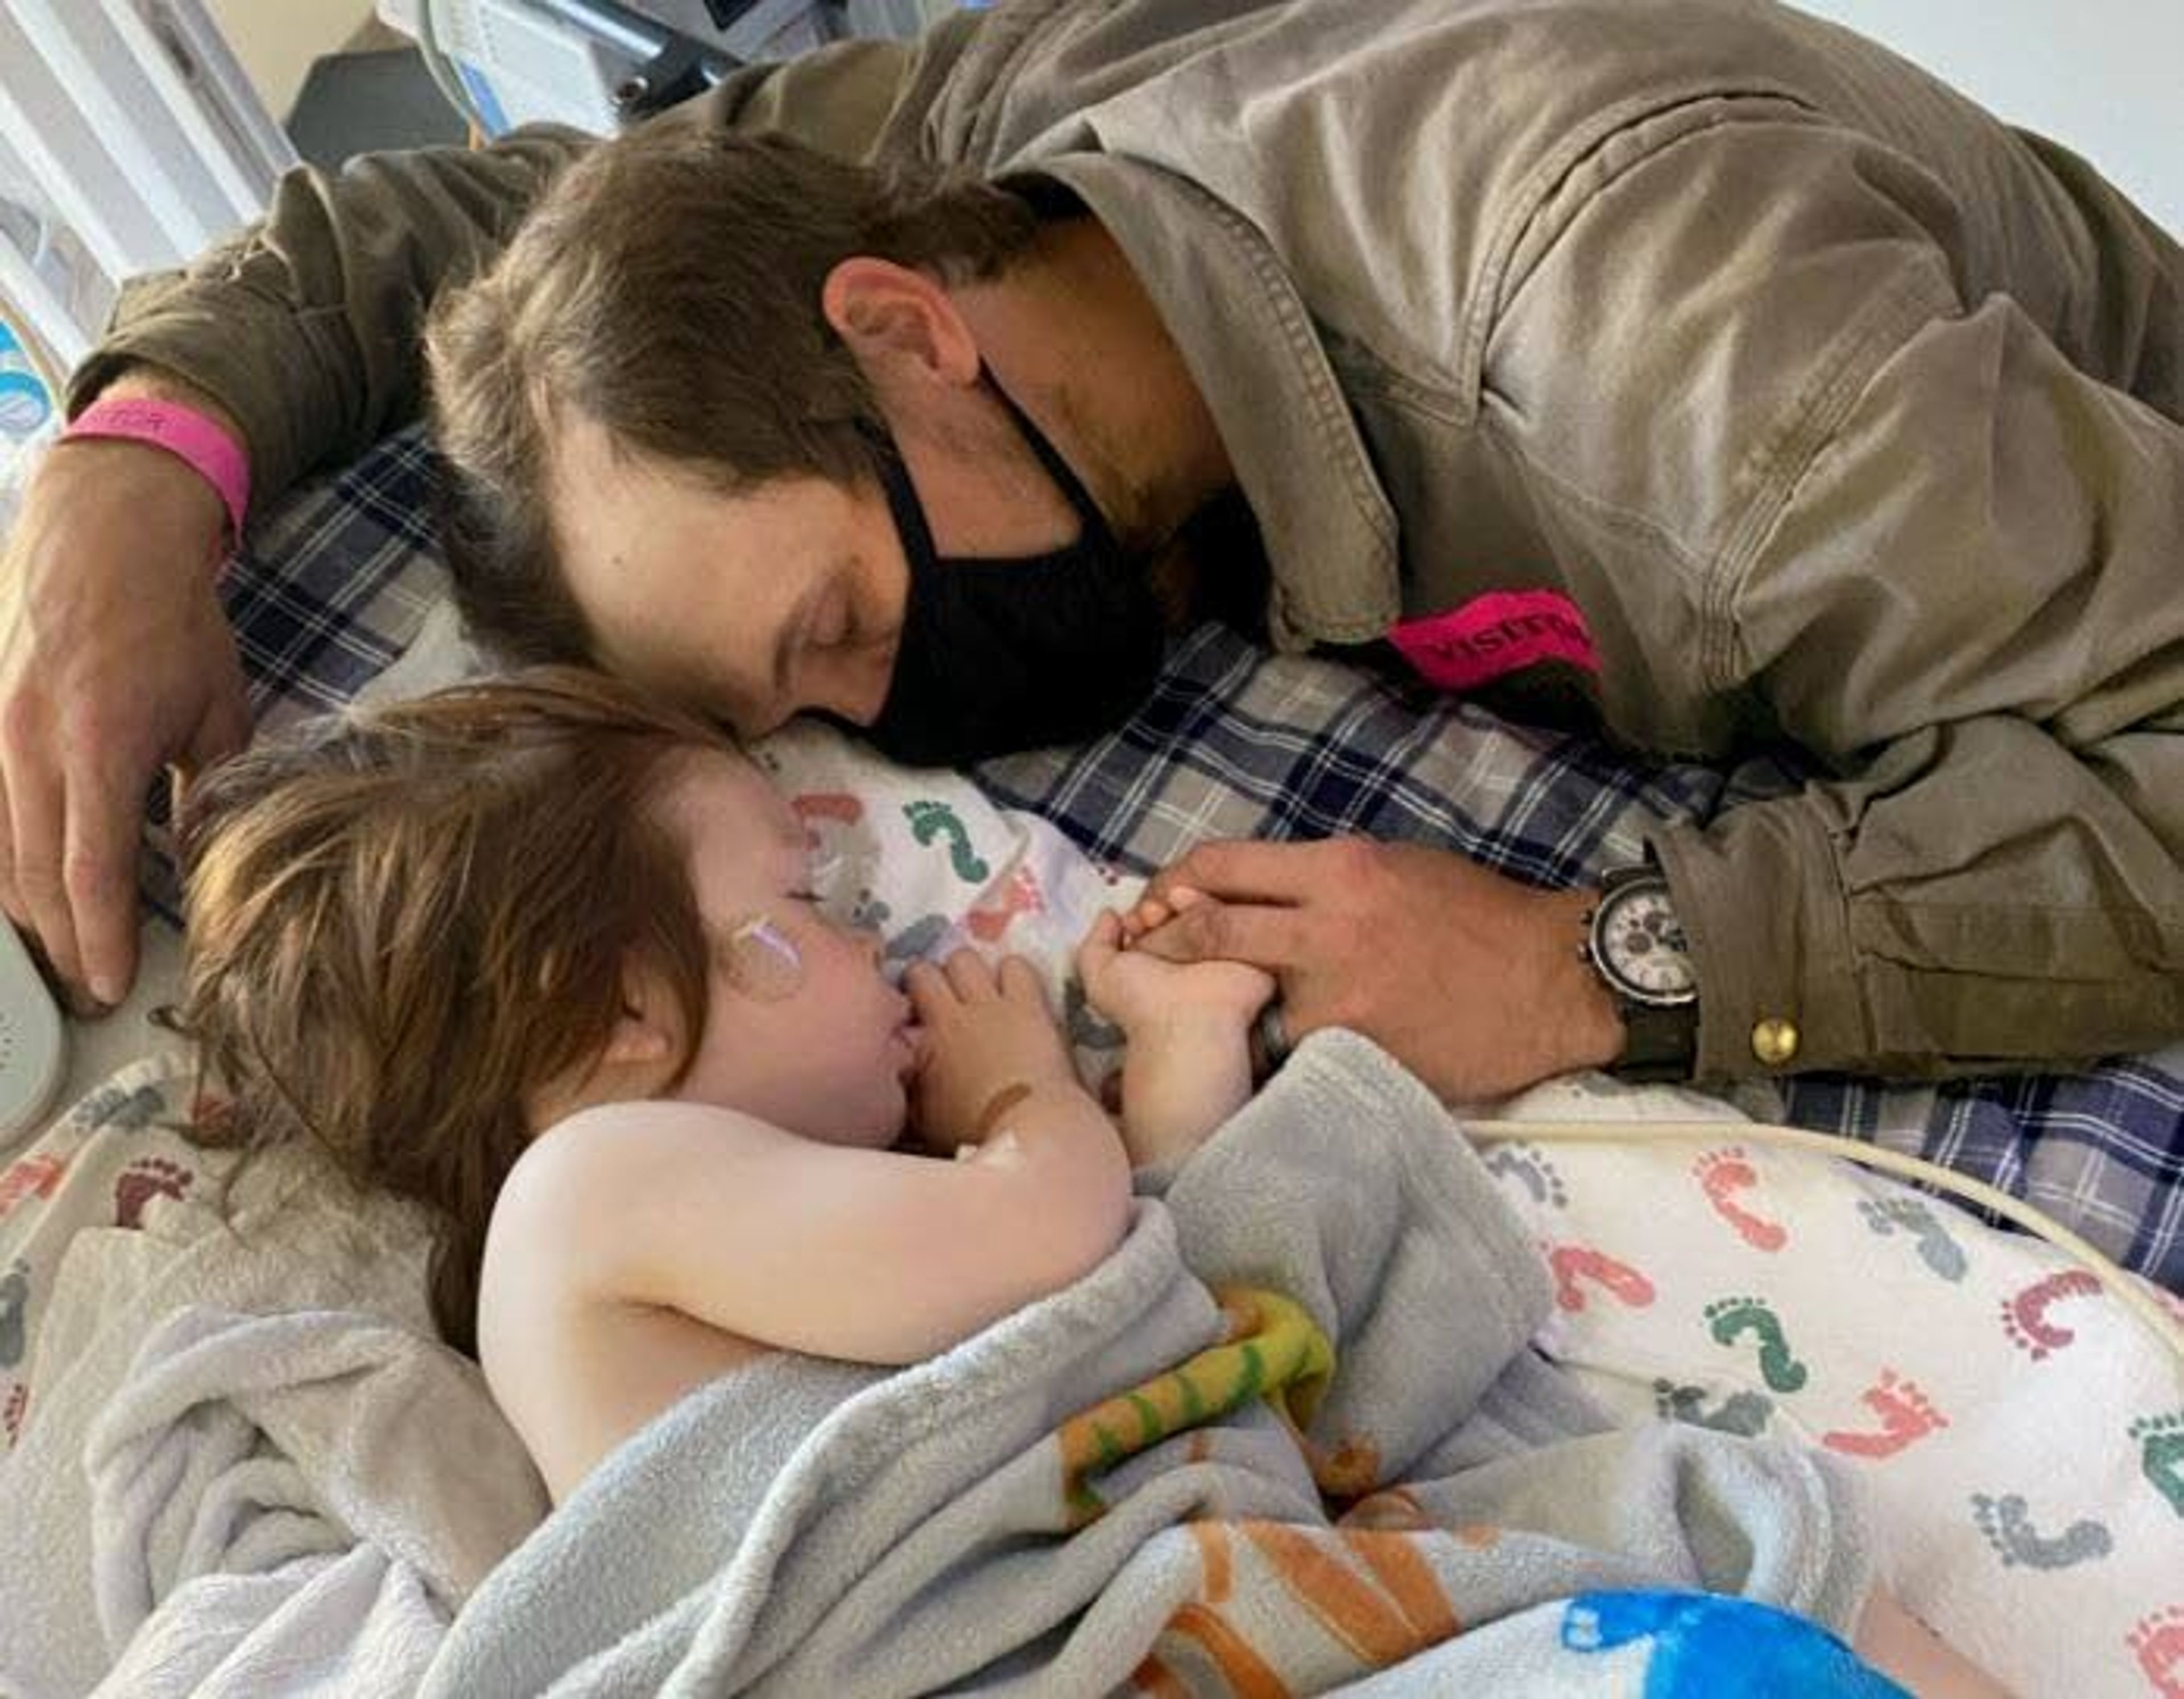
1659	1045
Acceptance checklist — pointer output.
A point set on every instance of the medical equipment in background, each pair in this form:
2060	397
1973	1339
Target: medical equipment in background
131	139
597	64
33	1044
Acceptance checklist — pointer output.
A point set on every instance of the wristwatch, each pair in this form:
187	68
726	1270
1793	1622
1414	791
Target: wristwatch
1636	946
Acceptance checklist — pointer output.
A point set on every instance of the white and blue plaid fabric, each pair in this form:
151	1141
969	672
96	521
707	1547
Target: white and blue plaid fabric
1236	742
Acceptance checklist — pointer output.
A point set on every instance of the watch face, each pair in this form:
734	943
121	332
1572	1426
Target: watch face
1641	946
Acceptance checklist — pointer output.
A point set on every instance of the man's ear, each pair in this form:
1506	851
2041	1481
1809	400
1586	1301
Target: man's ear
890	316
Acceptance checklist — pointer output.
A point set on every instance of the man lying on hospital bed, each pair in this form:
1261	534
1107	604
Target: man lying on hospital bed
539	954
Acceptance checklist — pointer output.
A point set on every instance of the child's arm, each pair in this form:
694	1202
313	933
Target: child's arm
1189	1066
840	1252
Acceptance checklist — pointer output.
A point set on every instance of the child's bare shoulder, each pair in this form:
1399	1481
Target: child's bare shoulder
594	1195
609	1154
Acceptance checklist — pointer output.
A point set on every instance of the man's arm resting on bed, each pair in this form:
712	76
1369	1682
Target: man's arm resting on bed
1475	982
1941	550
115	657
1952	577
1982	900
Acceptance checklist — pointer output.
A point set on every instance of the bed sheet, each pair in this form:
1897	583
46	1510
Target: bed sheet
2020	1435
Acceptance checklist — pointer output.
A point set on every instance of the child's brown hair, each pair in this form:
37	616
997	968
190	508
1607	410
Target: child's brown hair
403	922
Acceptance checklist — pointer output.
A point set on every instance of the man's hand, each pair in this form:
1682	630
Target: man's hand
1472	981
114	659
986	1031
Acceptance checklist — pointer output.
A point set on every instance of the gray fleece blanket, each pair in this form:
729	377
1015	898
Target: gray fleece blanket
1289	1438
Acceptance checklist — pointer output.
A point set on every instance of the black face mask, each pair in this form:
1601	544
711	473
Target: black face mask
999	654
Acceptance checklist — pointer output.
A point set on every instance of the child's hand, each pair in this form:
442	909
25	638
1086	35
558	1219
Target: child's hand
1188	1024
1141	992
986	1031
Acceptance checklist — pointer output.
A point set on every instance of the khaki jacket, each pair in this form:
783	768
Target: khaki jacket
1838	410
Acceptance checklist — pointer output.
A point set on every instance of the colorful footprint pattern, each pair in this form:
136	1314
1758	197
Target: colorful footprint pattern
2028	1534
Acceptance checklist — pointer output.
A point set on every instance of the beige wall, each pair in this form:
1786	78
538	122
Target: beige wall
277	40
2097	75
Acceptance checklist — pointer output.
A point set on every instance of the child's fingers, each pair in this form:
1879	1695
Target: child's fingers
1019	981
930	993
969	977
1152	913
1146	915
1101	940
1096	952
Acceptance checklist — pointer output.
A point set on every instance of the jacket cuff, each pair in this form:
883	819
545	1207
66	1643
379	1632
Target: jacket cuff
245	356
1760	895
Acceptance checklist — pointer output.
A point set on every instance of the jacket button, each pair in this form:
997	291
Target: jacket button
1775	1041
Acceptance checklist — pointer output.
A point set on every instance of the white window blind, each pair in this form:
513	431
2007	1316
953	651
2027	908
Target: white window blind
130	139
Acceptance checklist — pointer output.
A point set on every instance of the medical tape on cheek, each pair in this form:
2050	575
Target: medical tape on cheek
762	960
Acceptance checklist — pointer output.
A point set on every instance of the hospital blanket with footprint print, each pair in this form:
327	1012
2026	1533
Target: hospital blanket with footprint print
2023	1436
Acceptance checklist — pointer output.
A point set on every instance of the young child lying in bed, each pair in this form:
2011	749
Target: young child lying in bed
544	957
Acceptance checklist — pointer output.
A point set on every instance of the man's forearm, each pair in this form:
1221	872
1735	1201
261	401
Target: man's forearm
1584	1029
150	383
154	383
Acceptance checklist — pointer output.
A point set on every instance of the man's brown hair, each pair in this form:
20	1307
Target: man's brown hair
668	287
402	923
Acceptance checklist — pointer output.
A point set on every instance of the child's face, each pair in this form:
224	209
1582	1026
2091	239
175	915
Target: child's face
802	1029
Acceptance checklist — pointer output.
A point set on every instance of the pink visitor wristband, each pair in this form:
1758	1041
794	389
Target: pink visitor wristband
183	431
